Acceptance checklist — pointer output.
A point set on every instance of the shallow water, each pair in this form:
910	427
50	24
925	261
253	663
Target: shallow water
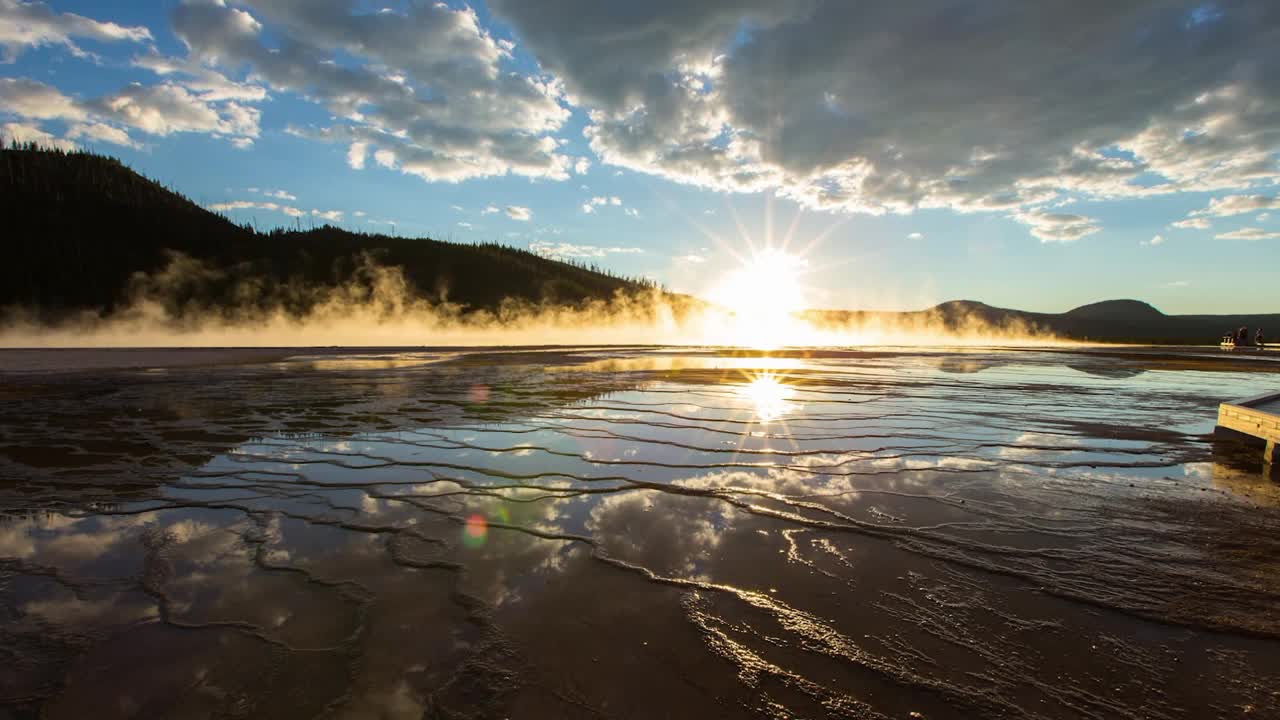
639	533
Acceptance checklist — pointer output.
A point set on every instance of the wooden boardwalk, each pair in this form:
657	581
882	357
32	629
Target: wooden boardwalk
1257	417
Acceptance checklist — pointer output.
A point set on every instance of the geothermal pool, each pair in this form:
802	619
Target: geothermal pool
634	533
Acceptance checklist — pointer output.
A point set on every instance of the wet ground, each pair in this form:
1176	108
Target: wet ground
637	534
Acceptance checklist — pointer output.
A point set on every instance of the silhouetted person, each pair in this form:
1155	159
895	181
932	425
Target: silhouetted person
1258	339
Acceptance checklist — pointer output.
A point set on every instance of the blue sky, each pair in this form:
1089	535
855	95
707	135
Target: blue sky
910	164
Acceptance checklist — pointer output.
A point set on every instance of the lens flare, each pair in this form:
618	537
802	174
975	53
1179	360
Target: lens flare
475	531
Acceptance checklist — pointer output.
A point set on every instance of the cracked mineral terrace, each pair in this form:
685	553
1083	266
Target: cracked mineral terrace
639	533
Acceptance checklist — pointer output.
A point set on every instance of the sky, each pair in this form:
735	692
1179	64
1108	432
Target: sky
1029	155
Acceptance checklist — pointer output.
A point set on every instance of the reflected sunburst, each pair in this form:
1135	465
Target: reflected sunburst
769	396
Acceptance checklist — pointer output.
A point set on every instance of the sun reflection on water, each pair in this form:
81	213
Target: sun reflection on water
769	396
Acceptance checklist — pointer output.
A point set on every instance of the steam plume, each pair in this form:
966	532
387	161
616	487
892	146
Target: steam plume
378	307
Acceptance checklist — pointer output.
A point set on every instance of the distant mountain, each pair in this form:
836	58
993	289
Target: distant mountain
1128	321
1136	321
1116	310
78	227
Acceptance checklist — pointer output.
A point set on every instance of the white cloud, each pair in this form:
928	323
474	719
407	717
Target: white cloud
632	212
915	236
843	105
256	205
357	154
691	258
571	250
170	108
835	105
490	210
102	133
423	83
600	201
31	99
1175	284
25	25
210	85
1155	240
156	109
330	215
1195	223
1263	217
1249	233
26	133
465	225
517	212
1238	205
280	194
1057	227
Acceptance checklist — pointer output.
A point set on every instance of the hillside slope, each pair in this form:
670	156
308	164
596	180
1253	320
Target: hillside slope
78	227
1126	321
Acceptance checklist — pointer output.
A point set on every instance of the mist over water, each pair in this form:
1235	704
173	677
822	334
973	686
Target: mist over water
379	308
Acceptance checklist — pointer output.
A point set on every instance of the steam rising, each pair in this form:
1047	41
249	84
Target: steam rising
379	308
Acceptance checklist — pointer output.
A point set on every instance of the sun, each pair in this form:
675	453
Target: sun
767	284
762	298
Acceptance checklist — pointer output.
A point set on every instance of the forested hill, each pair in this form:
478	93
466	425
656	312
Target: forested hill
79	226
